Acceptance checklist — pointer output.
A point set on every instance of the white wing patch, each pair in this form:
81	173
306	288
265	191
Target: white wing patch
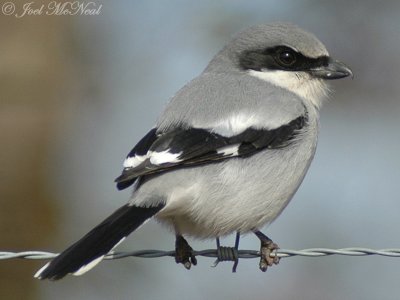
89	266
158	158
134	161
229	150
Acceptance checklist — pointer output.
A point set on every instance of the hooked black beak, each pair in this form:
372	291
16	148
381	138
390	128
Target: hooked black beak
333	70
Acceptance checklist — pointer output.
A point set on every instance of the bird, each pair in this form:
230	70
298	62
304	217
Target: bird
227	153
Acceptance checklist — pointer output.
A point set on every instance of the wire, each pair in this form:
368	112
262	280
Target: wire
312	252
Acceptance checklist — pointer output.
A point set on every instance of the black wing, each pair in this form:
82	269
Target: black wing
160	152
140	149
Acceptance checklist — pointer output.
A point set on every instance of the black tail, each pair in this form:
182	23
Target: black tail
89	250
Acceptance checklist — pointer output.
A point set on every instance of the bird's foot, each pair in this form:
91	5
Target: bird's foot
184	254
267	248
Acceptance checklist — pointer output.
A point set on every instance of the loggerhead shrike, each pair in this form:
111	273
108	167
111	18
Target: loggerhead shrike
228	152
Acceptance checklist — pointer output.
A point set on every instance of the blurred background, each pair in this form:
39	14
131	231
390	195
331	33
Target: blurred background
77	92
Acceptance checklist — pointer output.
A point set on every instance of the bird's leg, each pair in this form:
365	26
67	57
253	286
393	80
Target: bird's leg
267	247
184	253
228	253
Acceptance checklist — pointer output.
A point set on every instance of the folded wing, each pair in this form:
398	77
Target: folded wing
182	146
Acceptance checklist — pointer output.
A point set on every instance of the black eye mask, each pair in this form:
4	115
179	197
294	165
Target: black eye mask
279	58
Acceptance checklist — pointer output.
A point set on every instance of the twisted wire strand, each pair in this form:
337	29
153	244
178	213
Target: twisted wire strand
311	252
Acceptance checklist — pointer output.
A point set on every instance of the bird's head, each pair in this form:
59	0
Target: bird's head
285	56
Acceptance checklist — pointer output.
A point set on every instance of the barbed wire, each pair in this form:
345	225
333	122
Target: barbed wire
311	252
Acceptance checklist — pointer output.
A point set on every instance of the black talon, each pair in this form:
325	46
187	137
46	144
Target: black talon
184	254
267	247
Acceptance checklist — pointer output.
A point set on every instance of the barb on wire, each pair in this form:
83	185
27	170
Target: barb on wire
312	252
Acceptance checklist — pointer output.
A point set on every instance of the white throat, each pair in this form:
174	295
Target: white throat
299	83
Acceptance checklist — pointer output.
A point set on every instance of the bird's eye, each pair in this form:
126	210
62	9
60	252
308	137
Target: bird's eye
286	58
